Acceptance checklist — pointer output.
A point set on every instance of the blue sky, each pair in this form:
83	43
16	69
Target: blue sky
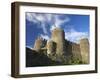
75	26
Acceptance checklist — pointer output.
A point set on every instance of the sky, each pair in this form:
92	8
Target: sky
75	26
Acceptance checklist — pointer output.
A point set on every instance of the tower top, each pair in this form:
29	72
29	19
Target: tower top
57	29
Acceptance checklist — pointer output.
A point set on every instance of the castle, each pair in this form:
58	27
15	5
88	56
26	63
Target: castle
59	49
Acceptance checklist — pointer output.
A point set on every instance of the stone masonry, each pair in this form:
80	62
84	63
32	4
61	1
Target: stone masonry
58	46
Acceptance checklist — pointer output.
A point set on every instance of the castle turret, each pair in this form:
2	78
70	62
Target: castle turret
38	44
51	48
84	48
58	37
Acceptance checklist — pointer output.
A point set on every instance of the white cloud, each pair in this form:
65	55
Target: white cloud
38	19
45	37
33	17
75	36
54	21
30	17
59	21
43	19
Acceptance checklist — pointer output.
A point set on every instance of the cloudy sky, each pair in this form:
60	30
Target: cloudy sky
76	27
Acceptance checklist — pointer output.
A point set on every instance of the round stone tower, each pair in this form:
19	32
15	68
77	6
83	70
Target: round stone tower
58	37
51	48
38	44
84	48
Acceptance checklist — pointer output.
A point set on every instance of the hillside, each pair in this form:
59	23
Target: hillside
34	58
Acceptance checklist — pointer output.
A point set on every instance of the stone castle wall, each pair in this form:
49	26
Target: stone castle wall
84	46
58	37
51	47
73	49
58	46
76	51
